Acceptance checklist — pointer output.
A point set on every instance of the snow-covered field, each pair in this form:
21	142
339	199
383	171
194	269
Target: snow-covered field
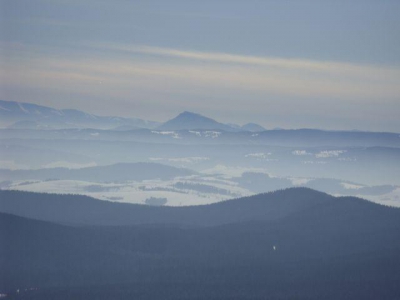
137	192
213	185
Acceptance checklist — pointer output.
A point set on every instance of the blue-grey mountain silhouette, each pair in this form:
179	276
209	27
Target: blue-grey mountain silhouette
188	120
252	127
31	116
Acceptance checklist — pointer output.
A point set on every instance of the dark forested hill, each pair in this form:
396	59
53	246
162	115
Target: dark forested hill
296	244
83	210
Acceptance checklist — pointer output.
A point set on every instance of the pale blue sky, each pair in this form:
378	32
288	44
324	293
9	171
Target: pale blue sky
291	64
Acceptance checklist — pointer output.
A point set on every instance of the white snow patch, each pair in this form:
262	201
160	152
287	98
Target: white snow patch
212	134
197	133
23	108
189	160
133	191
90	116
185	160
299	181
172	134
349	186
390	199
311	162
330	153
260	155
156	158
57	112
300	152
347	159
3	108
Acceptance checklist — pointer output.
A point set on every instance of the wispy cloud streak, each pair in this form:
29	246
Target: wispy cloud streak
175	79
374	71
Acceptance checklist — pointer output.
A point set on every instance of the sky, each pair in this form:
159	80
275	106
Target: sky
289	64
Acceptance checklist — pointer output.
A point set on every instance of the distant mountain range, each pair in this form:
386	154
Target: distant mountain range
19	115
290	244
286	138
112	173
31	116
188	120
192	121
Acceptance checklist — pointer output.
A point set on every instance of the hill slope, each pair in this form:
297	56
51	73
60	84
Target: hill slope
335	248
83	210
76	209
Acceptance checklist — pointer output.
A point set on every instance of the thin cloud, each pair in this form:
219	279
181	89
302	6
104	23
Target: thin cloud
166	75
176	79
350	69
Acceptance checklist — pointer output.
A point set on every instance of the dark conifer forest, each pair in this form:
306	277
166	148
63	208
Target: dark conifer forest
289	244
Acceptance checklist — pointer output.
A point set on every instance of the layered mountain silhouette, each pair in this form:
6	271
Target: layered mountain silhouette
193	121
22	115
290	244
252	127
188	120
